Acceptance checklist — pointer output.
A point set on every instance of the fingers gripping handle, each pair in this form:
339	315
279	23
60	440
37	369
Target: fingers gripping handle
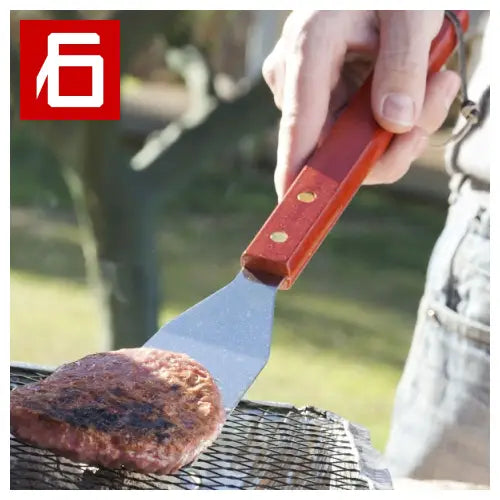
331	177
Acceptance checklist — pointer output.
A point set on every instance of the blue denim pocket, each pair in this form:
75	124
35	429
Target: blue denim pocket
469	287
440	426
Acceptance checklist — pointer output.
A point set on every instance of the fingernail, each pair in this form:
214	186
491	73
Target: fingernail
420	146
399	109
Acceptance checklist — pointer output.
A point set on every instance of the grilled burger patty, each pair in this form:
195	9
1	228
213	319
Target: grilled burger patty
147	410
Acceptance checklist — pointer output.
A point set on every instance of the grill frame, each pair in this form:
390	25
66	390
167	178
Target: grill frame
263	445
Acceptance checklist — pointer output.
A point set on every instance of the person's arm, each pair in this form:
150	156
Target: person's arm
321	59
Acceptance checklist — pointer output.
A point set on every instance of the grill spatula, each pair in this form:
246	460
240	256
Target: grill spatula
230	331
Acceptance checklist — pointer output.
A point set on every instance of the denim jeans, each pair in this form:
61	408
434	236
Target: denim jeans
441	419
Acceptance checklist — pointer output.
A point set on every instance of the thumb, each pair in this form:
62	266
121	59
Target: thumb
400	72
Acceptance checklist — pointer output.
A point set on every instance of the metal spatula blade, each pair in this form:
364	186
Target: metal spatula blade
229	333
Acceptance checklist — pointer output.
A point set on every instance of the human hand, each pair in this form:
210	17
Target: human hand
323	57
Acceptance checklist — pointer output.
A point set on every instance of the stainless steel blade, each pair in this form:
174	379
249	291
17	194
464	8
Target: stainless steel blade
229	333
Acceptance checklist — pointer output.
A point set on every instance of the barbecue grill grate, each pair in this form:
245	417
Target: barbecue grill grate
262	446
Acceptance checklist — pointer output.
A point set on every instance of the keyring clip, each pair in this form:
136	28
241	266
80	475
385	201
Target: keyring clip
468	109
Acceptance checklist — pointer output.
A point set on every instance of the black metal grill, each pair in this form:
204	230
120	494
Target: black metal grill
262	446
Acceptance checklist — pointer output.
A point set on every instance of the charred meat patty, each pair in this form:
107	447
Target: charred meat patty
147	410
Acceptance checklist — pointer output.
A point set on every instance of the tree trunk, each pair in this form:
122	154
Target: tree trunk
122	215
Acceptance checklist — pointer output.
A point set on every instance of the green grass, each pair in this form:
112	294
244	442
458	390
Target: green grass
341	333
52	320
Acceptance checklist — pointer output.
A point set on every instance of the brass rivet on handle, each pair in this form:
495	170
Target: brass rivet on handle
279	236
306	196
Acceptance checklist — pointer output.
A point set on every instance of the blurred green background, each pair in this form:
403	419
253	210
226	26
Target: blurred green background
341	333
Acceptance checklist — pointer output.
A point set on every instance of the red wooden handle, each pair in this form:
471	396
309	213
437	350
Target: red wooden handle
331	177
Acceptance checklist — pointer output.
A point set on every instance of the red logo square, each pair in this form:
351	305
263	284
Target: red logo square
70	70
